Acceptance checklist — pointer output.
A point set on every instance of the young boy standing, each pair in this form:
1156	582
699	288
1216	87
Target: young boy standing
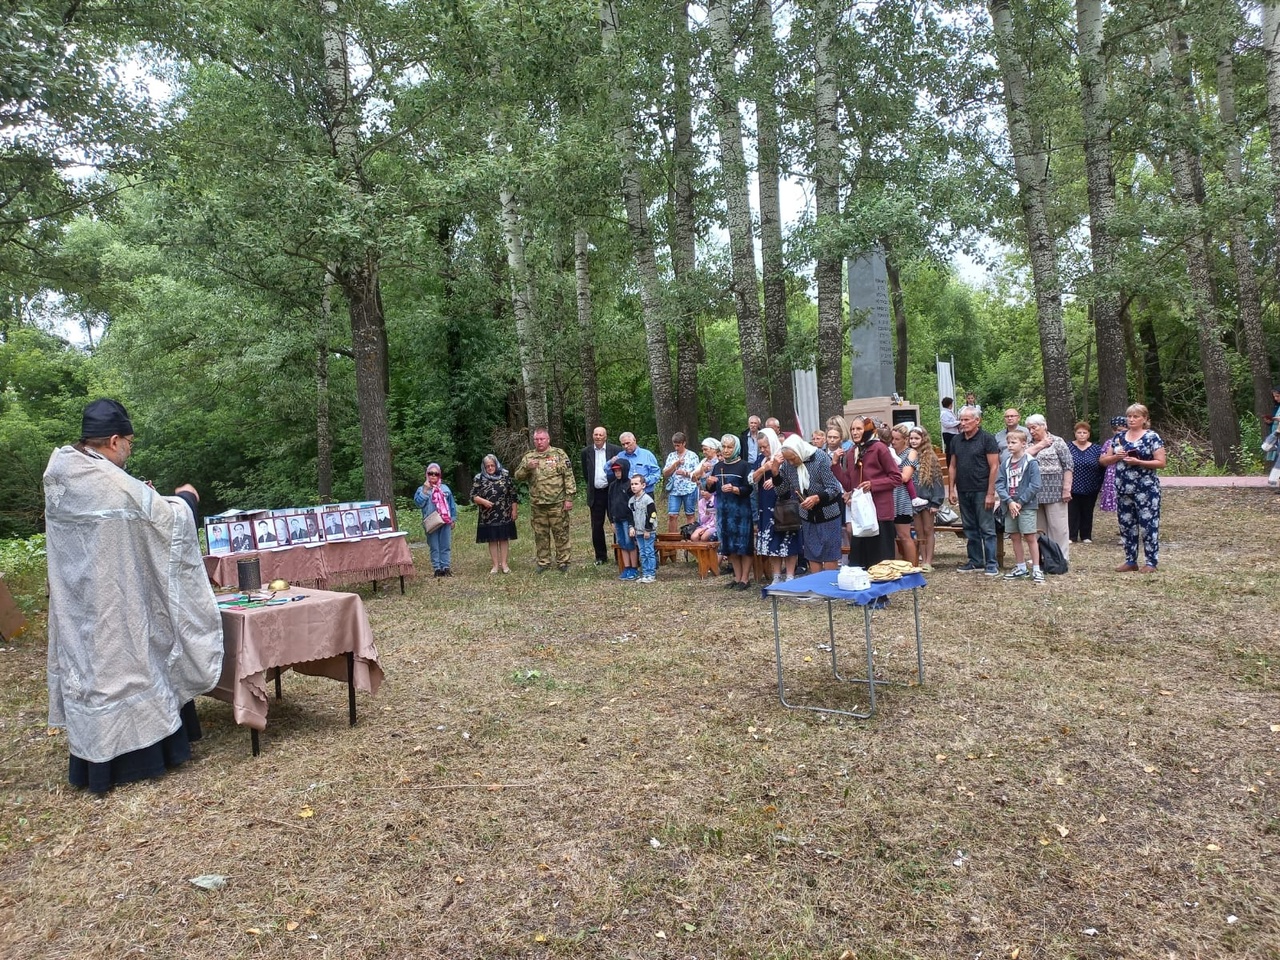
1017	486
644	529
620	514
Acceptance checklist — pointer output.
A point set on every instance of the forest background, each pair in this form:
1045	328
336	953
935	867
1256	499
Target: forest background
313	245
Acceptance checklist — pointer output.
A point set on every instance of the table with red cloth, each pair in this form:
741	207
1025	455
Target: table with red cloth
315	632
337	563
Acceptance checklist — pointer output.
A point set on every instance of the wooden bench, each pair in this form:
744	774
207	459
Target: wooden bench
669	544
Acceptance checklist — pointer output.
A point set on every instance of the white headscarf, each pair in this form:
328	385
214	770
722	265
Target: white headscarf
805	451
775	446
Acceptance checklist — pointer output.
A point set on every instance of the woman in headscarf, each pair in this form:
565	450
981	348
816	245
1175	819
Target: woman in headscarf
780	547
434	496
806	473
494	492
710	457
729	481
875	471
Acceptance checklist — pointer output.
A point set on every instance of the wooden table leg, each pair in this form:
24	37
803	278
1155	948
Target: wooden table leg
351	687
253	741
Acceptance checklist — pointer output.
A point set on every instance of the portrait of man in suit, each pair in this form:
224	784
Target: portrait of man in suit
351	523
596	475
266	535
240	539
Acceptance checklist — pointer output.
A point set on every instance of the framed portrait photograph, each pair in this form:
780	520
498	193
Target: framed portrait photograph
333	526
264	534
384	518
241	536
218	536
351	523
368	521
297	528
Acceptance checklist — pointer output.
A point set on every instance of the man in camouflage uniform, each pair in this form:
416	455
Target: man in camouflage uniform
549	473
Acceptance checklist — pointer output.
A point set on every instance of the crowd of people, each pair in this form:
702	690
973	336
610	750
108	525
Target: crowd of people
769	493
123	690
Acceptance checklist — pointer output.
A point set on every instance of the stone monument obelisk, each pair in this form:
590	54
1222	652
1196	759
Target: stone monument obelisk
871	329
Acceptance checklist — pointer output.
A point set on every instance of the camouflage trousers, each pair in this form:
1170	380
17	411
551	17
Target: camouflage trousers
550	521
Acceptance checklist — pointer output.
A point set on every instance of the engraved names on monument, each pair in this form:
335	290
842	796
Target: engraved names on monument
871	329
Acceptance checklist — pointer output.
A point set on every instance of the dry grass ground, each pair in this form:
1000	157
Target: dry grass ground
568	766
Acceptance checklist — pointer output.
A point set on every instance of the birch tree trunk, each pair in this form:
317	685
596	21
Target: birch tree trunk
737	198
1113	387
1188	184
586	332
1248	296
768	173
641	237
685	161
1031	168
357	272
1271	53
532	367
827	272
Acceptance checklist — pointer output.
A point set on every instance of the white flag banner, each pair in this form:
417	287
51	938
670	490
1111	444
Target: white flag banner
807	416
946	380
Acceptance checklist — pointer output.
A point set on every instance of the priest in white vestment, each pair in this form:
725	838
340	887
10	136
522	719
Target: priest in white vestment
134	631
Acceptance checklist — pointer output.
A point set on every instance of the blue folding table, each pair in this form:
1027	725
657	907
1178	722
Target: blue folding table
824	586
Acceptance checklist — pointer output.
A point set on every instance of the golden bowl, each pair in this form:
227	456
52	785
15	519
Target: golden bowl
278	585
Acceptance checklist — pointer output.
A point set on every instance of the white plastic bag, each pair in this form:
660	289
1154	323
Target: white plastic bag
861	515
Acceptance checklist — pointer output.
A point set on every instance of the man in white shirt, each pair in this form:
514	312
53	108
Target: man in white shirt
596	475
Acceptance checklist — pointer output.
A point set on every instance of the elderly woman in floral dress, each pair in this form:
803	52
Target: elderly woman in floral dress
1056	474
494	492
1137	453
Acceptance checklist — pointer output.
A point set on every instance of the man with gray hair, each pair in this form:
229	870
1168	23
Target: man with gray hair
643	462
972	465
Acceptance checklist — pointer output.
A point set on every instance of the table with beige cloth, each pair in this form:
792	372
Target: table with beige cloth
337	563
322	634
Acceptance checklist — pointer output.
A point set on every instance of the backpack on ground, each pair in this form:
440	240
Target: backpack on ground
1051	558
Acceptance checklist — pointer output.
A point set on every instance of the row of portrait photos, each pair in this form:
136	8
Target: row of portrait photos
260	530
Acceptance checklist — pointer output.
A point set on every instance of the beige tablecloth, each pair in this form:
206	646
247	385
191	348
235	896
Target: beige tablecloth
323	565
310	636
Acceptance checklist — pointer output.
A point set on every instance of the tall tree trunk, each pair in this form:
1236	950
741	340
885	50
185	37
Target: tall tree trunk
655	328
369	344
1113	387
768	173
1271	53
827	272
893	273
532	366
357	272
586	332
324	435
1248	296
684	225
1188	184
733	179
1031	168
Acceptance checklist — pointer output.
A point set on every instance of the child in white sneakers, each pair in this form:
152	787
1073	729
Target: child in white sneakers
644	530
1017	486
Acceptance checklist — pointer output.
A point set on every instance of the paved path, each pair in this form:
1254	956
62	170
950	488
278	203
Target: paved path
1257	481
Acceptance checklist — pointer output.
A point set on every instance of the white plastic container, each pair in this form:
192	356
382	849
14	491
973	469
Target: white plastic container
853	578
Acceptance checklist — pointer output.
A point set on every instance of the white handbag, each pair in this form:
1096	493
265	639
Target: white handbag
861	515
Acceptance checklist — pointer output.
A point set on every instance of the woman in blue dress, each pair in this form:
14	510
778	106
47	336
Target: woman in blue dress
729	480
1137	453
782	549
